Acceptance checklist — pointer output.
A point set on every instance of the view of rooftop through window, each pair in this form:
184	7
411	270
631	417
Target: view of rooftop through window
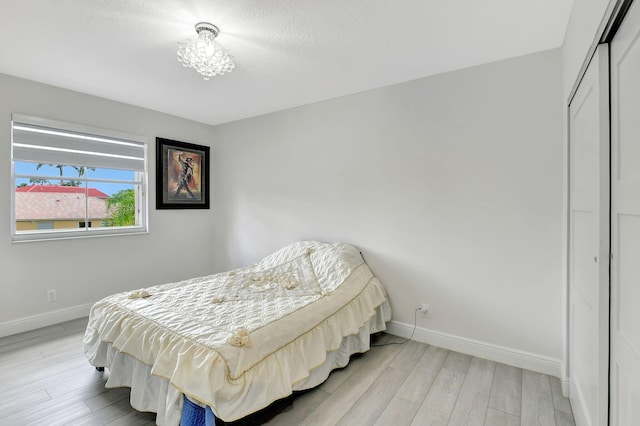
73	197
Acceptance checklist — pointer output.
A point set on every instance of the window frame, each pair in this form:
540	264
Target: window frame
141	180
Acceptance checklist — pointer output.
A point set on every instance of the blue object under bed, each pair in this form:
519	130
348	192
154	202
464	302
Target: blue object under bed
195	415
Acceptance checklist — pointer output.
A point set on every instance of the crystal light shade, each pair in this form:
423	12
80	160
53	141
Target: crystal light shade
205	55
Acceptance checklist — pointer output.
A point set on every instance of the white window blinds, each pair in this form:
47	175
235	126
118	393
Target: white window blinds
45	141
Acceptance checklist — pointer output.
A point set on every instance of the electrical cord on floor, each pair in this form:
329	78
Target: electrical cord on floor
415	324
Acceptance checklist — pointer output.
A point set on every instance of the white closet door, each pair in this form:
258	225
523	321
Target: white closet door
589	244
625	221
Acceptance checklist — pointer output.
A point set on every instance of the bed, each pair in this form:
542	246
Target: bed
236	341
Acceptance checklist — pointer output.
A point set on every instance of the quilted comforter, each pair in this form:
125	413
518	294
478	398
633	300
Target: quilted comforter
237	341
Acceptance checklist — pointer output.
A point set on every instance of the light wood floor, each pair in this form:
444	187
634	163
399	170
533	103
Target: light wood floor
45	380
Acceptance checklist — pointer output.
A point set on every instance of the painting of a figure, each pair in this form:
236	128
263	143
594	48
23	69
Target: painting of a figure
182	173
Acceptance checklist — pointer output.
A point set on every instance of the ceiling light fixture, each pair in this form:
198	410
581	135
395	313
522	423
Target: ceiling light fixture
205	55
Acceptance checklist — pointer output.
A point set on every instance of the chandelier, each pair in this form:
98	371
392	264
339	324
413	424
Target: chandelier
205	55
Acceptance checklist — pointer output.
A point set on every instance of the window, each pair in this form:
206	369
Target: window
72	181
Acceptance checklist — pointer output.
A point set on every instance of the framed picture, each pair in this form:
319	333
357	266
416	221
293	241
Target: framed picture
182	175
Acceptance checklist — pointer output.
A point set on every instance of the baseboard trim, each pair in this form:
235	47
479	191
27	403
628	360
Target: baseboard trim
513	357
33	322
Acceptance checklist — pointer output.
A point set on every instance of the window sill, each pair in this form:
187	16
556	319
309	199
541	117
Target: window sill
24	237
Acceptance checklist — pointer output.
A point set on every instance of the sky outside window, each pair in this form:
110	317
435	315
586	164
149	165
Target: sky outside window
69	173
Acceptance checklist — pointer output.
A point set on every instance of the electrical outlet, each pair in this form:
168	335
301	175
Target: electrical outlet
51	295
424	309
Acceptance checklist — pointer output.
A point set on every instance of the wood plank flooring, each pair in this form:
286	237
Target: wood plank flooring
45	380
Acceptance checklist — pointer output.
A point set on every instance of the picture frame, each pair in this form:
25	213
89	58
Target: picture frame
182	175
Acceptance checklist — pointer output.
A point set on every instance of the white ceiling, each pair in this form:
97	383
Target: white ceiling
287	52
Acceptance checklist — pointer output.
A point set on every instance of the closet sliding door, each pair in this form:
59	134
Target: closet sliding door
625	221
589	244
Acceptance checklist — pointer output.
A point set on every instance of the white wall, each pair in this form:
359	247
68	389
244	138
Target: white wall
451	185
179	245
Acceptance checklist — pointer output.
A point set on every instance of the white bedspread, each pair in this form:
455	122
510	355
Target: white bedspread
239	340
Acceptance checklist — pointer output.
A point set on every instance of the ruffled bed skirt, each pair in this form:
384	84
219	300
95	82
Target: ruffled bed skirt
155	394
